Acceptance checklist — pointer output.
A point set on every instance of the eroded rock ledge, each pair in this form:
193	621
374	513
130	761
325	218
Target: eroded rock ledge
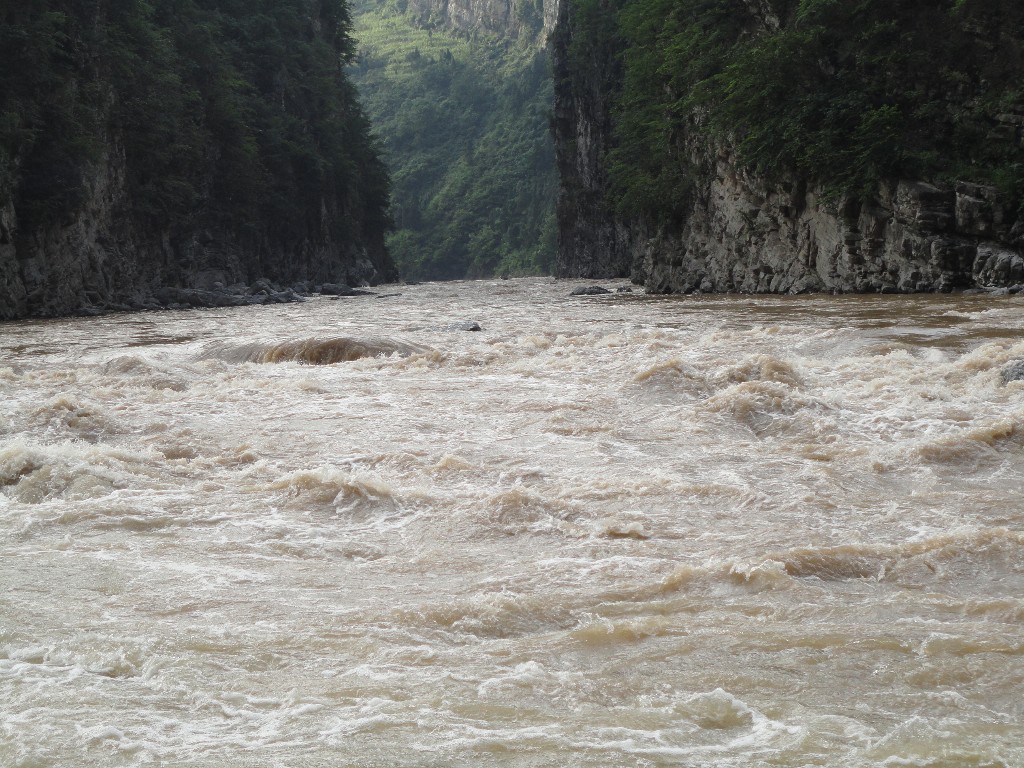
742	235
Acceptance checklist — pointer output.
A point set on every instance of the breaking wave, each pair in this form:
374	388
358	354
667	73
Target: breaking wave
331	488
311	351
972	444
139	370
762	368
954	558
35	474
83	420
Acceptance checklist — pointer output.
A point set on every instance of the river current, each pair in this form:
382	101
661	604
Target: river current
619	530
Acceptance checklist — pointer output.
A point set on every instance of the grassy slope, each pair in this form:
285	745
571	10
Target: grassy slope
463	121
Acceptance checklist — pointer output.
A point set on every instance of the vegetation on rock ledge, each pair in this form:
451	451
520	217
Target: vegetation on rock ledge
843	94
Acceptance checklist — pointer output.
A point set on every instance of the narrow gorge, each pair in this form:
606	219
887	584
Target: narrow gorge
528	522
460	95
783	146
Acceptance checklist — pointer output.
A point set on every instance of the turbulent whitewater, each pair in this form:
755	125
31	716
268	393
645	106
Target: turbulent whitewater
619	530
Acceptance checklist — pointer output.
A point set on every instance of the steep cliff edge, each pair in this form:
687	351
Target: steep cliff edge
778	146
746	235
179	145
588	74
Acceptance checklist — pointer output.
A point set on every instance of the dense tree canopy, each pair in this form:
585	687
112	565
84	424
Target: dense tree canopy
234	111
463	120
841	93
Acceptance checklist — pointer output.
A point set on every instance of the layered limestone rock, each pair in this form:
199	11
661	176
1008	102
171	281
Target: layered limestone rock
102	257
738	232
744	235
512	18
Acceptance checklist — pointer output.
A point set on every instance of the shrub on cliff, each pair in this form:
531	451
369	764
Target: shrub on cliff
844	94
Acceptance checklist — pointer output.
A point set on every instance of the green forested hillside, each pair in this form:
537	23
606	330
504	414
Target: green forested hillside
839	93
463	121
228	114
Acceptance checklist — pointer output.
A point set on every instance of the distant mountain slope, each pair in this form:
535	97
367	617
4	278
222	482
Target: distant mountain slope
460	96
178	143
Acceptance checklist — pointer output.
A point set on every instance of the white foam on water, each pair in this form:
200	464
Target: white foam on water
714	531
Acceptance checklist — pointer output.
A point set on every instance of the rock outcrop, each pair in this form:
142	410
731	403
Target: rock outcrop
1013	372
745	235
511	18
737	230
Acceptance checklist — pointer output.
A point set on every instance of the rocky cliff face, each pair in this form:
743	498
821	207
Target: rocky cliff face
512	18
101	257
591	241
739	231
12	289
745	235
183	175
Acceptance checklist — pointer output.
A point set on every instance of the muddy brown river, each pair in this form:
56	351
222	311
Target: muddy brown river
617	530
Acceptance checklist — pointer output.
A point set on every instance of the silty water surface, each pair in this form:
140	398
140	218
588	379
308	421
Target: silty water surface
608	531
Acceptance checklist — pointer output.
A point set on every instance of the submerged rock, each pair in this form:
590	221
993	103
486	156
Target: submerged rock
232	296
590	290
336	289
1013	372
311	351
196	297
286	296
466	325
341	289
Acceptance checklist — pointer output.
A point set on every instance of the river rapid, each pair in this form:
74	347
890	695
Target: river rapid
619	530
